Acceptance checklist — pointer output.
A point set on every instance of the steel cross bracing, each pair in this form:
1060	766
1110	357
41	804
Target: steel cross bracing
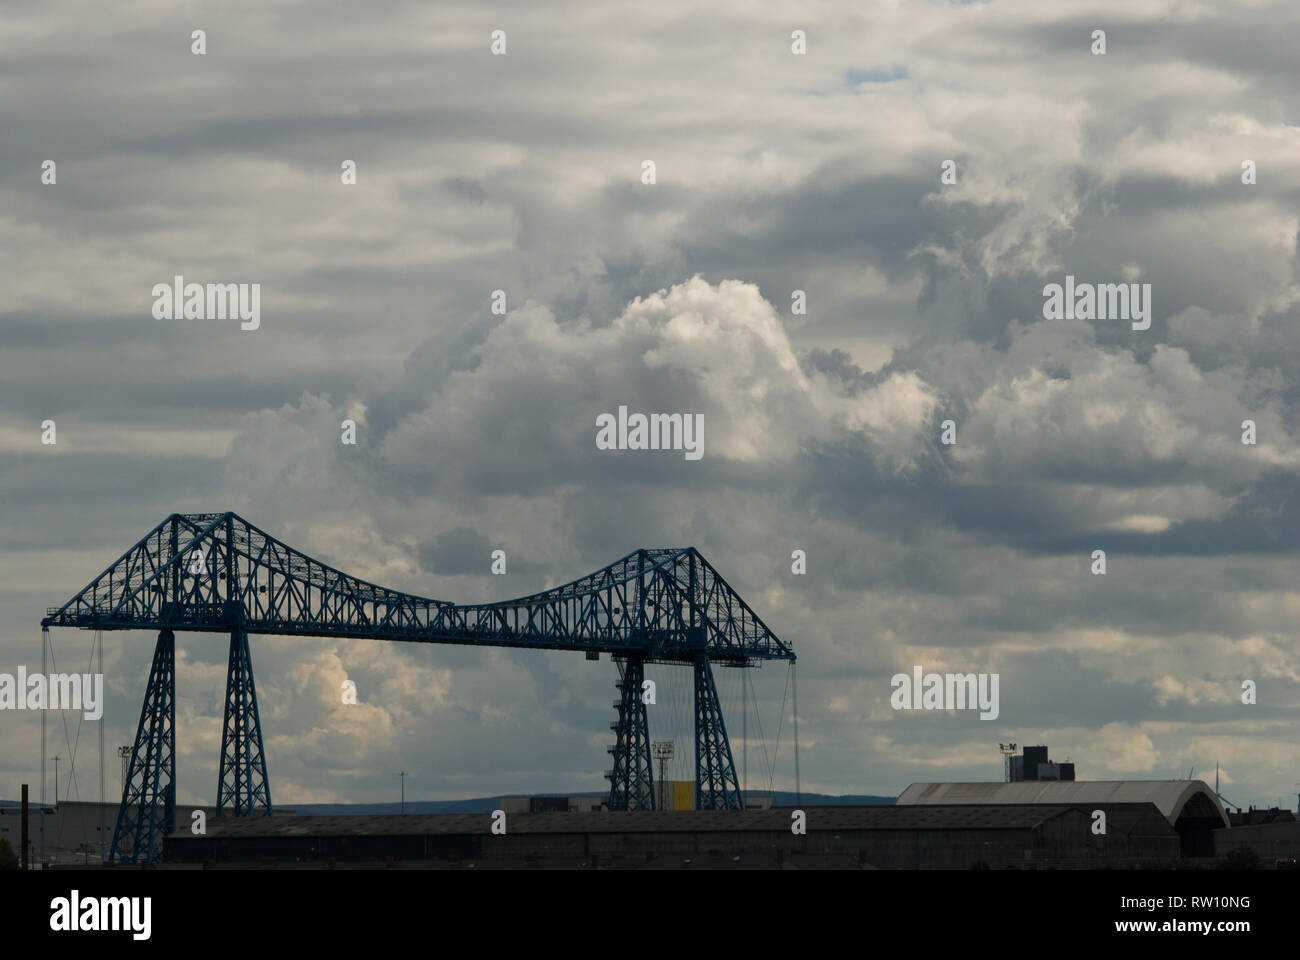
243	785
716	786
212	572
215	572
148	810
631	782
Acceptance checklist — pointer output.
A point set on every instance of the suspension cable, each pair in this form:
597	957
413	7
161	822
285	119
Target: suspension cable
794	690
99	635
45	640
744	735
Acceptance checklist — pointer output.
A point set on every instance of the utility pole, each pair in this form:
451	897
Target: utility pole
26	843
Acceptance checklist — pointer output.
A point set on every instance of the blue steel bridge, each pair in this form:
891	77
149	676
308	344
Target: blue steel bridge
217	573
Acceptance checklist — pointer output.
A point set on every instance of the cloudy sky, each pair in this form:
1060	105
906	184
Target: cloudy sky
774	172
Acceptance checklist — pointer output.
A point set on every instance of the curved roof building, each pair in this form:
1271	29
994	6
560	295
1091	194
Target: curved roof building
1190	806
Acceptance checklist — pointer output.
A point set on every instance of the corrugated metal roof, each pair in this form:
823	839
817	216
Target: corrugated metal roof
928	817
1170	797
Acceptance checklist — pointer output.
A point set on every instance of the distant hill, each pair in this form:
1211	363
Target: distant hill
488	804
781	798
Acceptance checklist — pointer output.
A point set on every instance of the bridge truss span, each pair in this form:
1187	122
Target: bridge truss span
215	572
663	605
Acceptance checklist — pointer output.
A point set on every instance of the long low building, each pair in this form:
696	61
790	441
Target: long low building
1276	844
891	837
1189	806
74	831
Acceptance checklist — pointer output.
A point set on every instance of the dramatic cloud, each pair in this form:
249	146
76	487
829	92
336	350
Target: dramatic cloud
823	429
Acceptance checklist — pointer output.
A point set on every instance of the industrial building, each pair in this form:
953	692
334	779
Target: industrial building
1188	806
674	795
1034	764
1022	825
1277	844
1254	817
551	804
889	837
76	832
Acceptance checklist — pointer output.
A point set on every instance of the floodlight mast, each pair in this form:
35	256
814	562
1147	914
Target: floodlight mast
663	751
1008	751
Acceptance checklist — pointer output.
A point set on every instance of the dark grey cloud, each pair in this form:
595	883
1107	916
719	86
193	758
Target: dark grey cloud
475	431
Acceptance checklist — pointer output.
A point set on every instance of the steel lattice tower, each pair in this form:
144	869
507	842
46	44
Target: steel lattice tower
242	784
148	810
631	781
217	573
716	786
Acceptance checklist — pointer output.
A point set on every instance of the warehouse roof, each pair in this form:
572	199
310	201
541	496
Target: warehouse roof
820	818
1173	798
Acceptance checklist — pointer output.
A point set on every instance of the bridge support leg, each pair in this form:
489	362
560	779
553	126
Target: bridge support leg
631	781
148	811
716	787
242	784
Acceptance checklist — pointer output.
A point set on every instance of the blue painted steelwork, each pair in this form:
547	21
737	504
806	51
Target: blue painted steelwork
148	810
631	782
215	572
242	783
716	786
